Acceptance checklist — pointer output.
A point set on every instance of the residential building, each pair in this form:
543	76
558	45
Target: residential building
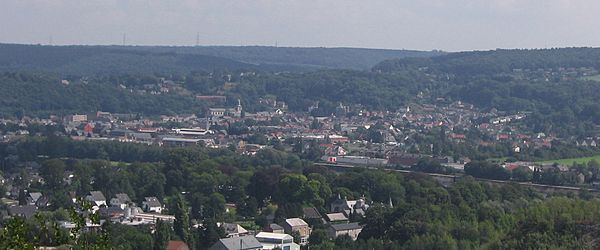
97	198
121	200
237	243
151	204
26	211
274	228
233	229
277	240
336	218
350	229
297	225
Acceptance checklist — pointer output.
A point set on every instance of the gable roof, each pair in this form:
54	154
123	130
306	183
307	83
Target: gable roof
237	243
336	217
177	245
152	202
26	211
35	196
311	213
346	226
97	196
274	226
296	222
233	228
123	198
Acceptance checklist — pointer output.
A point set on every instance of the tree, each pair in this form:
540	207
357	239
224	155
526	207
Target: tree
53	173
522	174
248	207
296	236
209	233
318	236
182	219
80	236
162	235
375	223
14	235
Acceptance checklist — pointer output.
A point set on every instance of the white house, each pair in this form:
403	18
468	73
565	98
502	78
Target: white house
277	240
151	204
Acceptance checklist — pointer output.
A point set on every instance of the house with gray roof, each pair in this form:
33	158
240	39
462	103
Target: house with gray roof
350	229
97	198
151	204
237	243
121	200
26	211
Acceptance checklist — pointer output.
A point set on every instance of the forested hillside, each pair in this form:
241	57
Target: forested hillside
335	58
90	60
41	94
86	60
498	61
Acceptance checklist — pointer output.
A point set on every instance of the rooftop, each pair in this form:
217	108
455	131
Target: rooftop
347	226
277	236
296	222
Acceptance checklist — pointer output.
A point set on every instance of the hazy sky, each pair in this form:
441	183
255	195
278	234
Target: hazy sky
417	24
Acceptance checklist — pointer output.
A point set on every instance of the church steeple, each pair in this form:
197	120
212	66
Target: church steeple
239	106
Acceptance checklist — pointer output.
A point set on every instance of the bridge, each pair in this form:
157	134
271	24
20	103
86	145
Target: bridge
447	180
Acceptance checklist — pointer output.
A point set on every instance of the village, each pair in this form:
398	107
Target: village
351	136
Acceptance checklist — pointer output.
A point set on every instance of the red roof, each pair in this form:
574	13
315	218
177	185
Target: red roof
177	245
503	136
88	128
511	167
458	136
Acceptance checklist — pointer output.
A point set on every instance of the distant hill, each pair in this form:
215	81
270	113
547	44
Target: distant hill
85	60
498	61
333	58
81	60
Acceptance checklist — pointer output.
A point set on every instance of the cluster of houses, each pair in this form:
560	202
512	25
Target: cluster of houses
279	236
119	209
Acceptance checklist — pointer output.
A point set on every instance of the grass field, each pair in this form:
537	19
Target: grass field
569	162
595	78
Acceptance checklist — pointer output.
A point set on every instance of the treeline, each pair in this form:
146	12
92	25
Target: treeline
41	94
335	58
498	61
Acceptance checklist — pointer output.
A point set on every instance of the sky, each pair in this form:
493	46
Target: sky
450	25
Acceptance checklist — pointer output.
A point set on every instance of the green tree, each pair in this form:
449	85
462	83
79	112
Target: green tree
53	173
162	235
318	236
13	235
182	220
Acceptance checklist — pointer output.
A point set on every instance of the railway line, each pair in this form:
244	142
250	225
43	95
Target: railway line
447	180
